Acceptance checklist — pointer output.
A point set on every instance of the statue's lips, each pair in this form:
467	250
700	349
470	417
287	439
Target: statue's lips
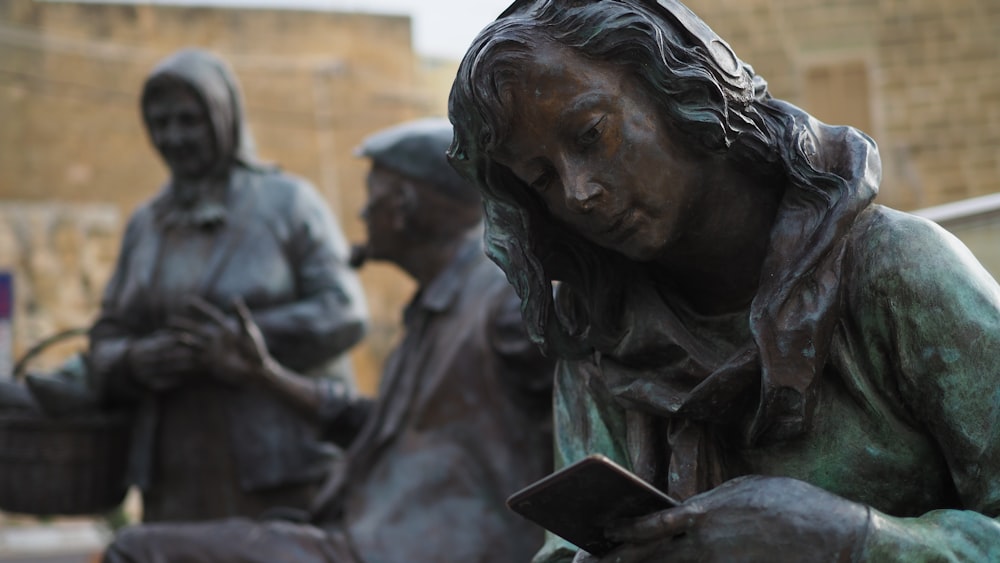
186	160
622	226
179	155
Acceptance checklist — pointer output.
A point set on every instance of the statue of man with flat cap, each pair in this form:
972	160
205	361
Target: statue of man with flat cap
462	418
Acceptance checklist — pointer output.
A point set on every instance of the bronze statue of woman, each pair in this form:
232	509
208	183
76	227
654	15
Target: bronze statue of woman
736	320
225	226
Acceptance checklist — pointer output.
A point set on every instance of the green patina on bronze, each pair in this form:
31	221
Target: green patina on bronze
862	360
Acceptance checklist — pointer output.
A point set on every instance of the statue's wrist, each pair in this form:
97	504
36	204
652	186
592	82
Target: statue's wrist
271	372
865	531
889	538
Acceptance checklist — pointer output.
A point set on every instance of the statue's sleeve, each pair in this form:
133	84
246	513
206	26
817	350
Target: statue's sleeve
587	421
330	315
110	336
938	311
530	371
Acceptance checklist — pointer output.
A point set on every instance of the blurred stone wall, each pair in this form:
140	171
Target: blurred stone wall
920	76
61	254
72	143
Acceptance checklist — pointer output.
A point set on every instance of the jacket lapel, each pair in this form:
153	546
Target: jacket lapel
239	202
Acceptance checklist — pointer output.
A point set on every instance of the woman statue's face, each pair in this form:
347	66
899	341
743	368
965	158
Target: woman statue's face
589	140
181	130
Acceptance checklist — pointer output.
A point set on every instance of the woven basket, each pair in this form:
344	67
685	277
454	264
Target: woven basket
62	466
70	466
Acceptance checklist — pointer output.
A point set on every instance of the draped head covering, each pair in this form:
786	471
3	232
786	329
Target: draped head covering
201	201
215	84
654	361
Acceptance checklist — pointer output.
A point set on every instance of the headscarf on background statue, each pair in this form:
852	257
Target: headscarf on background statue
720	103
202	201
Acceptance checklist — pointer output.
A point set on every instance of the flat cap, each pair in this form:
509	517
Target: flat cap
417	149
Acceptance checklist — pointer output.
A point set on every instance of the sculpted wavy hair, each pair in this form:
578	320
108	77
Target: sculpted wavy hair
702	88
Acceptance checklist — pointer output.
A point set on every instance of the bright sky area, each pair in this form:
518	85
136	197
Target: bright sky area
441	28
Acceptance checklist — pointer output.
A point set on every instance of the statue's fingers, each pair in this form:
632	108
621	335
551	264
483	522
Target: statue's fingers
658	525
191	340
247	324
207	311
630	553
184	325
243	314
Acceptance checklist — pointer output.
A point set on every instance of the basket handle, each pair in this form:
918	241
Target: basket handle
22	364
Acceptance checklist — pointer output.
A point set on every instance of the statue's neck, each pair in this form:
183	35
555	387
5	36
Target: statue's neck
717	265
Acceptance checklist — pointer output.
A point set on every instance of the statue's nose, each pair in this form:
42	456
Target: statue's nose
583	196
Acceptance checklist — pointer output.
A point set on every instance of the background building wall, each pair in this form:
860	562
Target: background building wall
72	142
61	255
920	76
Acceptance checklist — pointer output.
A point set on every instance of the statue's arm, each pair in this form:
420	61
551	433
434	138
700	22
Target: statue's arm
244	359
509	340
941	535
110	337
326	400
587	421
940	312
330	315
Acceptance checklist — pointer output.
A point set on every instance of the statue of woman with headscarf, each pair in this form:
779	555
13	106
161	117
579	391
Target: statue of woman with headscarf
225	227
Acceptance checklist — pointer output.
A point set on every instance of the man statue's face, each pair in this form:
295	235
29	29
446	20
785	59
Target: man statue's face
384	213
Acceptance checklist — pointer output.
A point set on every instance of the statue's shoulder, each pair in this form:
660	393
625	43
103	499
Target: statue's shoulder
897	235
143	216
892	250
277	190
280	182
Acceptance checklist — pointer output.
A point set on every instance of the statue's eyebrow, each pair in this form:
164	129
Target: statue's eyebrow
585	102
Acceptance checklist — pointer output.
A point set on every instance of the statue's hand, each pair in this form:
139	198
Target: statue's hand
161	361
232	350
754	518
